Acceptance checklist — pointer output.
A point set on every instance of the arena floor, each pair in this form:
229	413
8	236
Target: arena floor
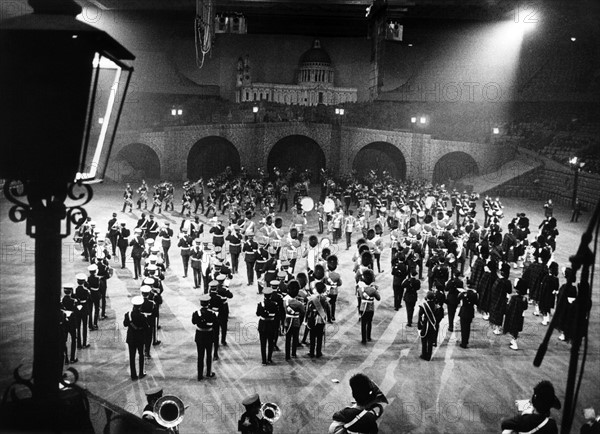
459	391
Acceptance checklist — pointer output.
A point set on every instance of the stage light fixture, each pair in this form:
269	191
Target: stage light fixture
179	112
496	130
173	112
423	120
413	120
573	39
255	109
100	121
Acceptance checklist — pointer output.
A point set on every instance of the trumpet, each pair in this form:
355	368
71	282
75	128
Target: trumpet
169	411
270	412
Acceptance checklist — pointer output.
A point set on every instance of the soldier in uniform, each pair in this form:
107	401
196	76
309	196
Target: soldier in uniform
137	248
104	273
250	250
225	294
152	228
68	306
400	274
113	229
204	320
83	297
318	312
123	241
128	198
166	233
143	192
252	421
267	310
368	293
294	316
152	395
215	305
94	286
468	300
148	309
427	325
334	281
185	244
513	319
411	287
196	254
137	326
235	240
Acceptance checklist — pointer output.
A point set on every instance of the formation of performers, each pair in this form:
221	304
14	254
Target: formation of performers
437	244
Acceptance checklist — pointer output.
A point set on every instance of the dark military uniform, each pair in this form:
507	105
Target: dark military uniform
137	326
267	310
204	320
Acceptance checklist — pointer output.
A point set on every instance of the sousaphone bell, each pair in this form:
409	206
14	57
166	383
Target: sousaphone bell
271	412
169	411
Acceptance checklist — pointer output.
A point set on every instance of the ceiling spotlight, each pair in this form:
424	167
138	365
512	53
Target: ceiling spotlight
179	112
410	45
573	39
496	130
255	109
423	120
173	112
413	120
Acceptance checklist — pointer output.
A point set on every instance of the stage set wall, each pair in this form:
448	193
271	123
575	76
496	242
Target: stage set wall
339	143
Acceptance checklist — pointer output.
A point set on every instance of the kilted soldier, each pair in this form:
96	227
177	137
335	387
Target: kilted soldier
204	319
166	233
566	307
69	308
490	275
294	316
477	269
235	240
513	319
548	291
368	293
533	275
427	325
137	327
185	245
128	198
468	300
267	310
137	248
143	192
499	292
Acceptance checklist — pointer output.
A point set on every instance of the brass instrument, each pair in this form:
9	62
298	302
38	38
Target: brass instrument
270	412
168	411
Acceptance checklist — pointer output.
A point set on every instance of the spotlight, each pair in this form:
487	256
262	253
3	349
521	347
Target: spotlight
337	111
341	112
573	160
173	112
423	120
410	45
573	39
255	109
413	120
179	112
100	121
496	130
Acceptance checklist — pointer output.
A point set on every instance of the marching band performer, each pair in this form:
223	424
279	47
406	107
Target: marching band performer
368	293
204	320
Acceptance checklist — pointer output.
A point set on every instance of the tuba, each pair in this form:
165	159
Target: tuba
270	412
169	411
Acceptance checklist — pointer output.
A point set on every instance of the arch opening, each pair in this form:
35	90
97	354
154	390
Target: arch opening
210	156
380	157
453	167
298	152
134	162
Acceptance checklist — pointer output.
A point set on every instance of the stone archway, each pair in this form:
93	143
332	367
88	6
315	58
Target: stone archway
380	157
134	162
297	151
454	166
210	156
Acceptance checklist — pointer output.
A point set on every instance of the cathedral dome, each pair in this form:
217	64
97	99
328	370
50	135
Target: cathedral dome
315	55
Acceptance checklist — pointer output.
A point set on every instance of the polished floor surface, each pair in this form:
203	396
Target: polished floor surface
459	391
